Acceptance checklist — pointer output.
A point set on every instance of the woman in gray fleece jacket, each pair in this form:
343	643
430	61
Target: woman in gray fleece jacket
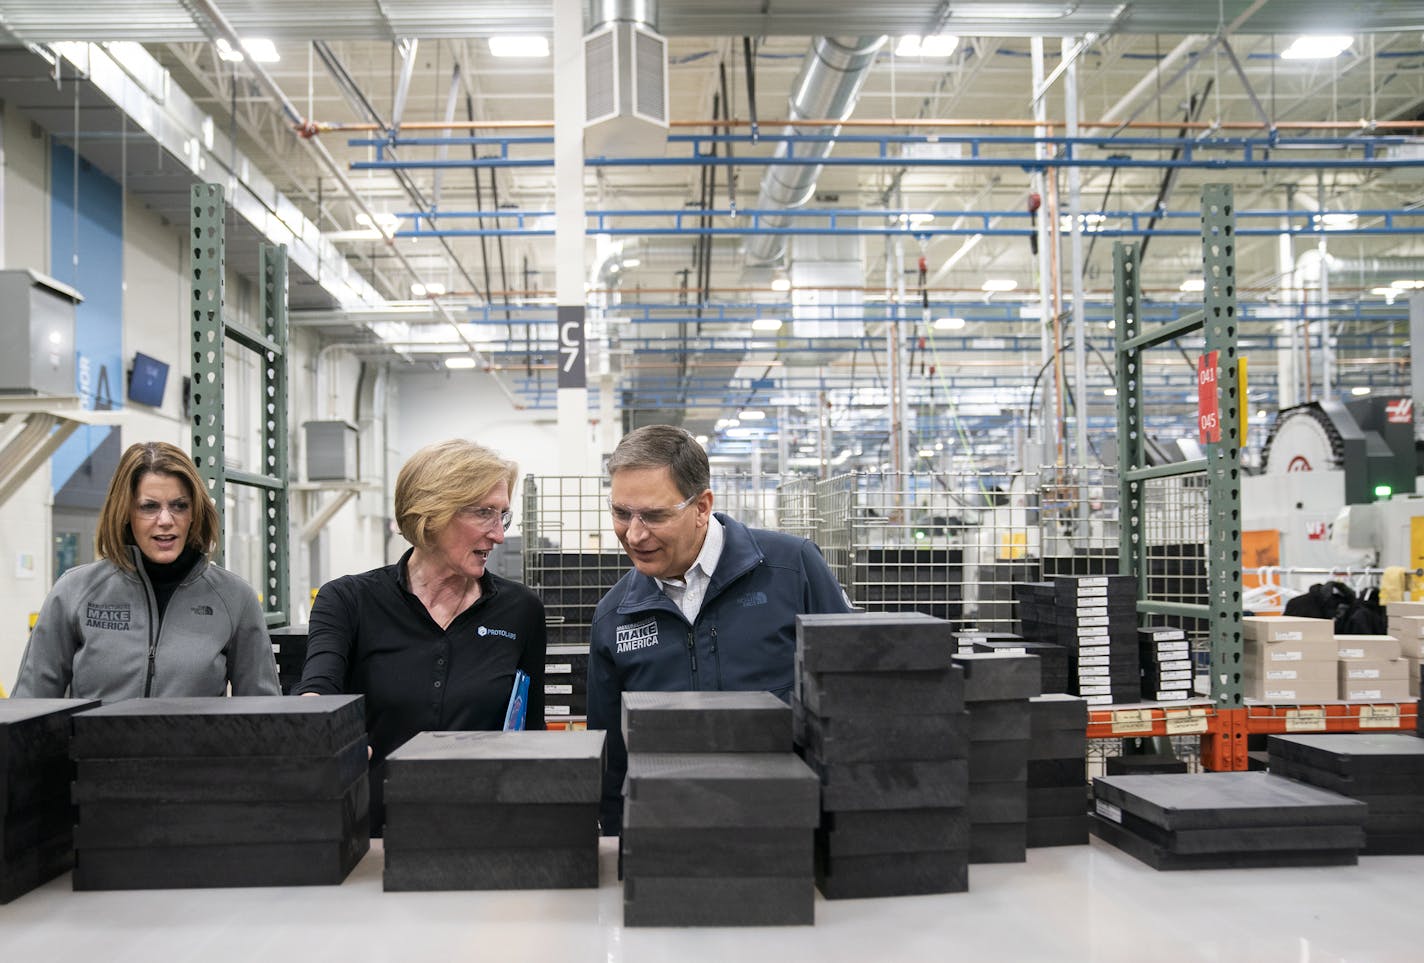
152	617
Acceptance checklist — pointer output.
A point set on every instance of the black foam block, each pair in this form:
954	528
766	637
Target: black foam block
879	737
497	767
712	790
1247	839
1047	802
250	726
706	722
893	785
878	832
208	779
409	870
835	694
898	874
1393	844
35	866
1145	765
1215	800
1057	772
1354	754
1159	858
718	852
1052	712
714	901
34	748
127	824
997	802
1057	831
490	825
1058	744
994	676
205	867
24	829
1369	783
998	842
1005	719
872	642
1001	761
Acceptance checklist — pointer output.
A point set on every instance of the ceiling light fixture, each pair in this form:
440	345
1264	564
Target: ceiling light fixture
1317	48
766	324
1359	391
463	361
935	45
1336	220
1192	286
948	324
512	46
1110	391
751	414
994	285
781	284
261	50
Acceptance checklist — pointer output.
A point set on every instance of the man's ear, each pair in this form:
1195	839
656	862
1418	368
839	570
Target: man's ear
704	506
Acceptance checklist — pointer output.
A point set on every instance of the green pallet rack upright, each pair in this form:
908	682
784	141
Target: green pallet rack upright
211	330
1221	466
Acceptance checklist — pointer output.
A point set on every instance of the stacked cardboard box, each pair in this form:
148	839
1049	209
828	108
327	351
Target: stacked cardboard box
1383	770
718	812
1057	771
36	819
1226	820
1406	623
1289	659
1371	669
997	689
189	793
1166	663
493	810
880	716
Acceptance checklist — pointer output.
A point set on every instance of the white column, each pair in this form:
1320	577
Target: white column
1075	228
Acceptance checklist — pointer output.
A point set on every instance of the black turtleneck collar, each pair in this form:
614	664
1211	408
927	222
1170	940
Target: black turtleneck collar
166	576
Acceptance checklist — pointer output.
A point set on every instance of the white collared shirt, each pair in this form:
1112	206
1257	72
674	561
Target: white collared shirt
688	592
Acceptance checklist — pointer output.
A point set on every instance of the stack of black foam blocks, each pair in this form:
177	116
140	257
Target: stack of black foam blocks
289	648
1166	658
190	793
1052	658
718	812
1096	617
36	818
1226	820
1383	770
997	689
1057	771
880	716
493	810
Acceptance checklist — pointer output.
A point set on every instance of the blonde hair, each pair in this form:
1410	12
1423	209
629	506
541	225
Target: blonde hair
441	479
113	536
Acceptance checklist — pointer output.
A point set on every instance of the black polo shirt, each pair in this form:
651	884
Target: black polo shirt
370	634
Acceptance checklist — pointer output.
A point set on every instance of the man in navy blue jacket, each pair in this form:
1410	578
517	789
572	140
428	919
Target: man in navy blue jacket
709	602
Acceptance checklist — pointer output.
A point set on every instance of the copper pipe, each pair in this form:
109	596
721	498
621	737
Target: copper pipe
319	127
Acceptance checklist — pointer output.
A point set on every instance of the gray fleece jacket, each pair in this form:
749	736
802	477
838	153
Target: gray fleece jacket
99	637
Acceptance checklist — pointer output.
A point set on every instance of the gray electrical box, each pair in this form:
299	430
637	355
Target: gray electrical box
37	328
331	451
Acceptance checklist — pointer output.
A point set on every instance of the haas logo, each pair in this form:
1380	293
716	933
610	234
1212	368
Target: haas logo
1299	463
1400	411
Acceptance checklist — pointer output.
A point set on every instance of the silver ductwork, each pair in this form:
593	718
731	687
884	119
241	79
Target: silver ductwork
1311	264
625	80
827	88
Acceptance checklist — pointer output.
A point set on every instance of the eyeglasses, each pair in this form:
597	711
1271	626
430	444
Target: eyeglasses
650	517
153	509
488	518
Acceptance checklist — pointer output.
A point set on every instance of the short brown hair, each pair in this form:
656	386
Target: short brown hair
443	478
665	446
113	537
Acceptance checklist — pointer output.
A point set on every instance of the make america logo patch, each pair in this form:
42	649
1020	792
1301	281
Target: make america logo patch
115	618
638	635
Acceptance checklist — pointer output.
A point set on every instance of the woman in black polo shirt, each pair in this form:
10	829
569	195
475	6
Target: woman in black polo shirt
434	640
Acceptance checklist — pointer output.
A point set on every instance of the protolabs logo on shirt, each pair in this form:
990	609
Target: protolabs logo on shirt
639	635
502	633
115	618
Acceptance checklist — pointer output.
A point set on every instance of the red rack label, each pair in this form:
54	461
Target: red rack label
1208	407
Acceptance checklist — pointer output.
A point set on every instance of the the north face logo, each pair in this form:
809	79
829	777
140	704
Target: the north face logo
202	610
751	599
115	618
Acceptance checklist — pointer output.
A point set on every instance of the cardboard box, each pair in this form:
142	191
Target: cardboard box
1394	609
1405	627
1414	680
1297	650
1366	672
1289	673
1367	691
1282	628
1367	647
1311	692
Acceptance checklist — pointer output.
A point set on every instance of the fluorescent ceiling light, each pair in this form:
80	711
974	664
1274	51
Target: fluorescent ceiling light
780	284
1192	286
508	46
463	361
999	284
936	45
1407	285
700	439
632	262
766	324
433	289
261	50
384	222
226	52
751	414
925	453
948	324
1336	221
1317	48
1110	391
914	219
1360	390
